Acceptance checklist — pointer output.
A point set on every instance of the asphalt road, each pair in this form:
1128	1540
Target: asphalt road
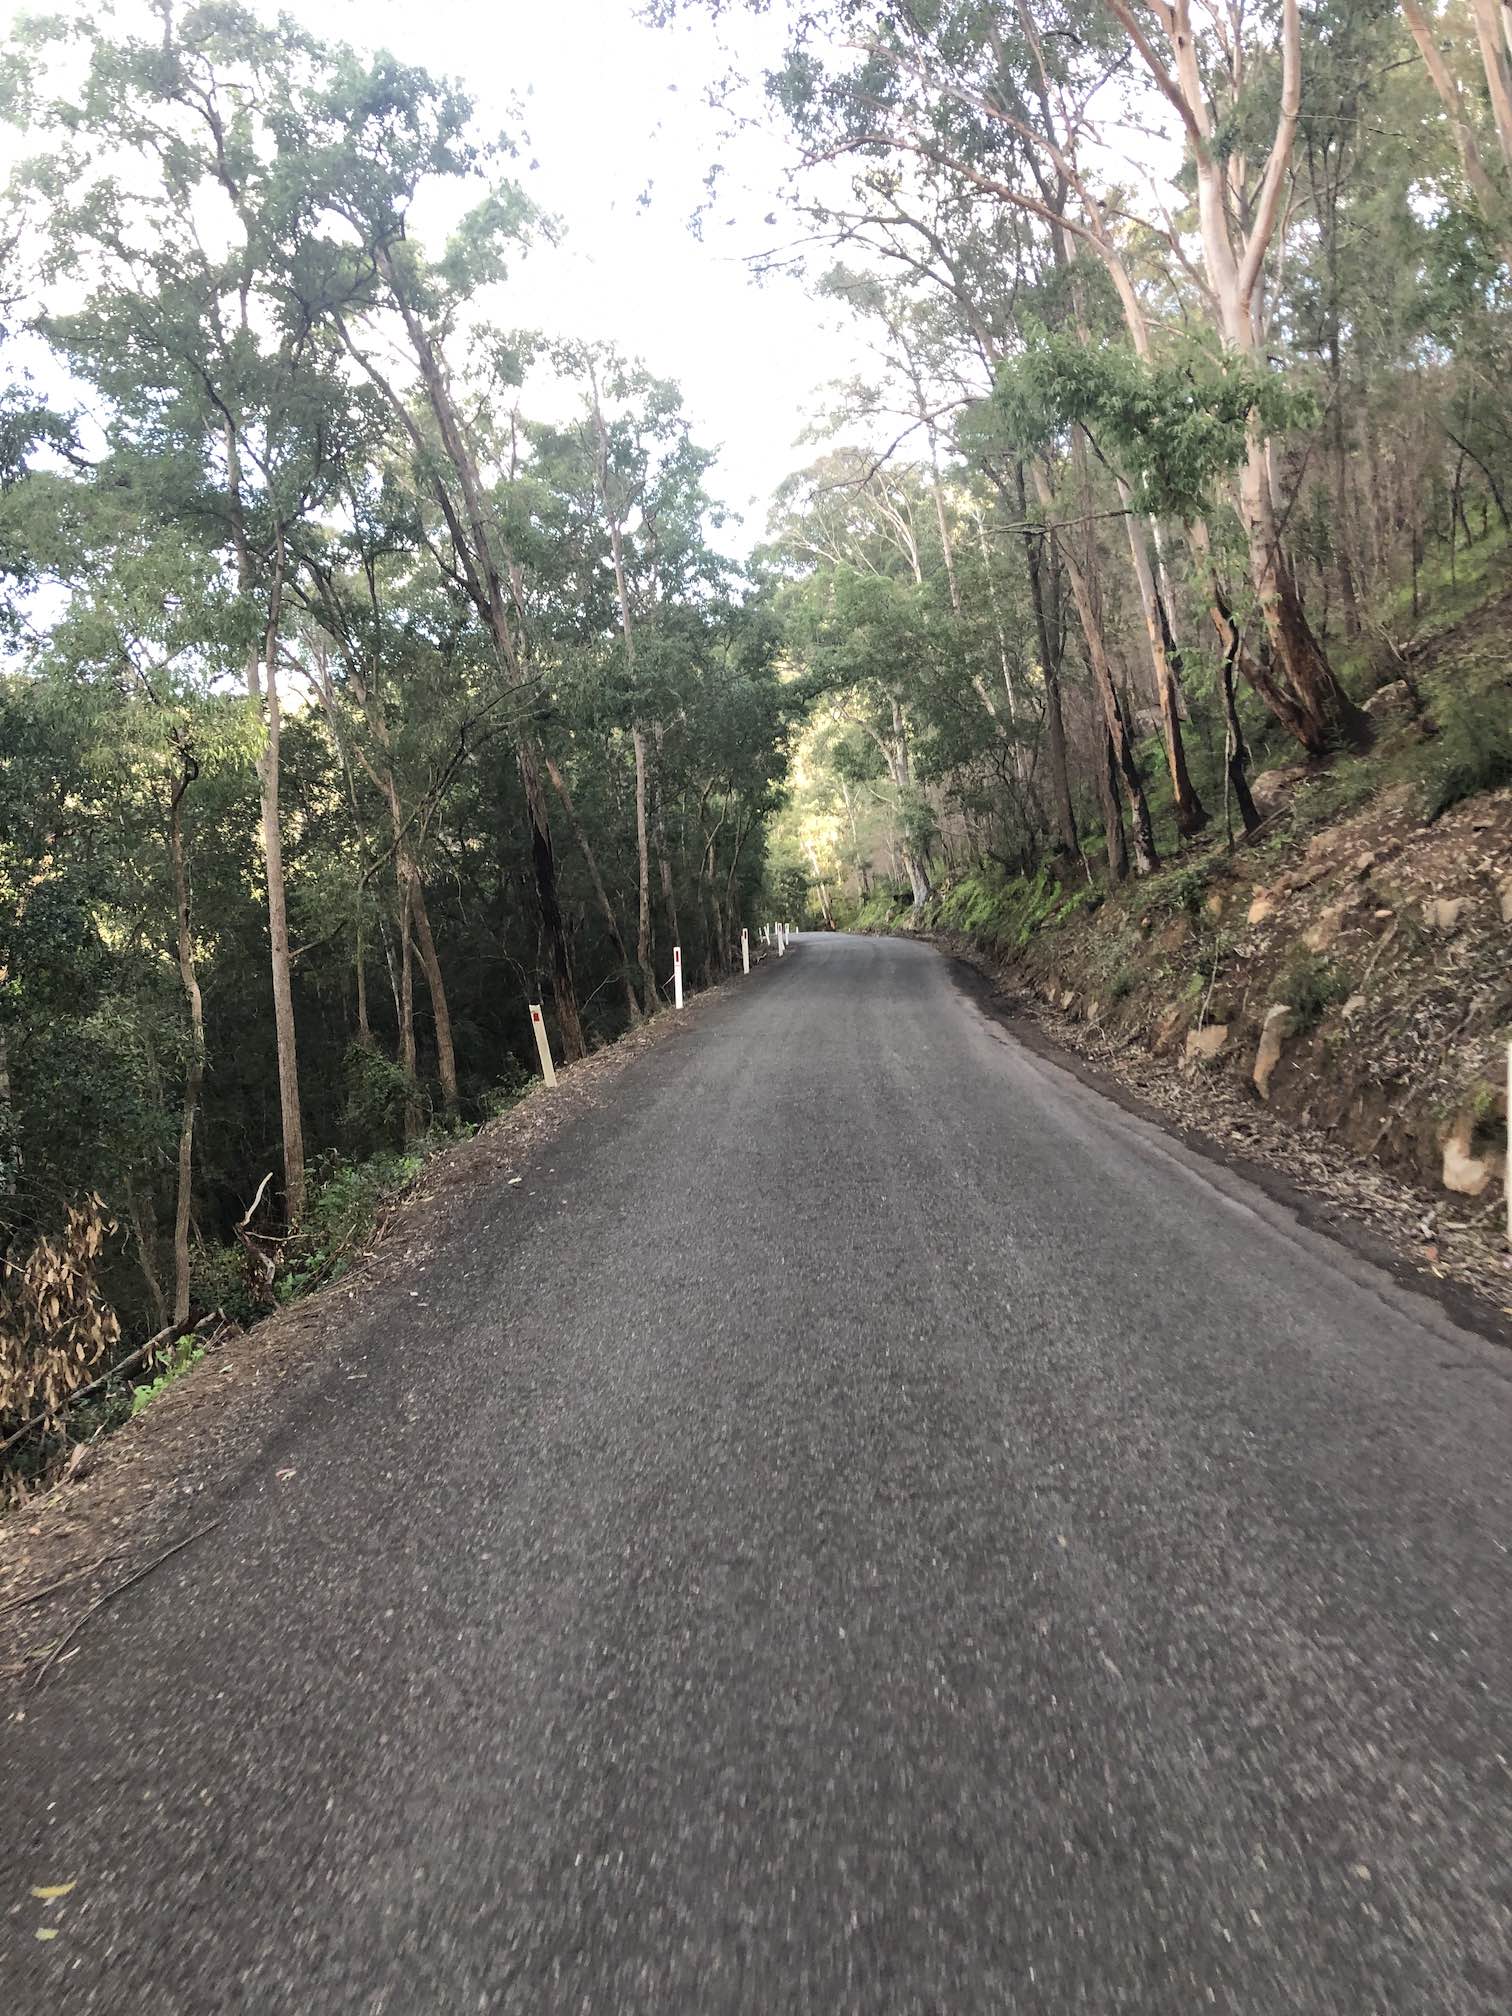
868	1525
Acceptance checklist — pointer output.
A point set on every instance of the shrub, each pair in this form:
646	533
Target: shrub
55	1327
1310	986
185	1352
1473	752
510	1088
377	1091
342	1211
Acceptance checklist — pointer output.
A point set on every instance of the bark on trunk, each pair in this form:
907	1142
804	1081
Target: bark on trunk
194	1071
1191	816
1055	725
409	1060
645	956
644	951
278	922
1112	810
471	525
659	834
1146	859
563	988
446	1059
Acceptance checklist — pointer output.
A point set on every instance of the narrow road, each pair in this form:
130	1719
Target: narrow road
867	1526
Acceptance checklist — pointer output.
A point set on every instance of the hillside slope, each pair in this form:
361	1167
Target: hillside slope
1341	985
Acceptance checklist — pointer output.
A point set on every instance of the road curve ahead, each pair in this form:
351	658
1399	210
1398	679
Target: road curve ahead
867	1526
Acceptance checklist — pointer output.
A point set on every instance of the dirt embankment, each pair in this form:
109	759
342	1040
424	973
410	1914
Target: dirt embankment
1338	1002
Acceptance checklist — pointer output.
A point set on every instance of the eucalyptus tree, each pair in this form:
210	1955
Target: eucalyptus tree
165	219
360	148
858	613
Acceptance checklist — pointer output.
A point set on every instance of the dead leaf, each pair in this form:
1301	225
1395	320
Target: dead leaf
48	1891
47	1931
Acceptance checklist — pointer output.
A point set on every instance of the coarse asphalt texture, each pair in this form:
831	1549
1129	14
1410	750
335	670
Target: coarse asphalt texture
866	1525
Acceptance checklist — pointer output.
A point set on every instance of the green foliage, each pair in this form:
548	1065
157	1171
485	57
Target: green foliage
1174	426
1003	911
344	1209
503	1096
175	1362
1180	890
1471	753
378	1093
1310	985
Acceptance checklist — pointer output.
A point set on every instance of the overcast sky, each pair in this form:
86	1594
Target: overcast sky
614	106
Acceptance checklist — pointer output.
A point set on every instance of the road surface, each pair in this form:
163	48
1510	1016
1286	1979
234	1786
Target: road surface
868	1525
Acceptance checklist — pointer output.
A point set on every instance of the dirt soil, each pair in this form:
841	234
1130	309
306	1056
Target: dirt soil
1388	940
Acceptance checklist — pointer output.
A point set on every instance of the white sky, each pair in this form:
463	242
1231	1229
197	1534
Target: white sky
613	105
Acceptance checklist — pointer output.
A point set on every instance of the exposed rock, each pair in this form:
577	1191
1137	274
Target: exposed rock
1068	1001
1280	1021
1504	896
1321	936
1214	904
1392	702
1203	1045
1355	1005
1465	1172
1263	904
1167	1028
1305	876
1443	913
1271	786
1364	863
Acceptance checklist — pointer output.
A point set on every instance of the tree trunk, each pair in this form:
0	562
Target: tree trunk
563	989
644	954
1055	725
1321	714
1191	816
473	528
1106	768
446	1058
194	1073
359	966
585	847
409	1061
278	922
144	1225
1146	859
1236	754
663	858
916	866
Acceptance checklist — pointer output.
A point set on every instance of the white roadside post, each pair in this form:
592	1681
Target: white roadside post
781	942
745	950
538	1023
677	976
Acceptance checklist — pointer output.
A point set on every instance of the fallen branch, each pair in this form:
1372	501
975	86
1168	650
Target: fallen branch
109	1597
174	1330
14	1603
